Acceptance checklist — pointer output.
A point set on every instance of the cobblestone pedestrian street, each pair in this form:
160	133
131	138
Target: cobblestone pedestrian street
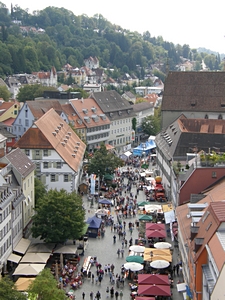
106	252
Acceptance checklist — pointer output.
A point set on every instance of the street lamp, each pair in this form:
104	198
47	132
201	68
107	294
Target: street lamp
98	182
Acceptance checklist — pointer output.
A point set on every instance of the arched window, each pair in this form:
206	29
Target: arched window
220	117
206	116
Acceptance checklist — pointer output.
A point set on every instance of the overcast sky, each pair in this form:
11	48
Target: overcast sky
197	23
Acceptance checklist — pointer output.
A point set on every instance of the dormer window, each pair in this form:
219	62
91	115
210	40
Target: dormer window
220	117
206	117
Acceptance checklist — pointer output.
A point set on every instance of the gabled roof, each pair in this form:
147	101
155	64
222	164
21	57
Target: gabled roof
52	132
89	112
142	106
151	97
4	106
111	101
194	91
185	134
130	95
40	107
72	116
5	132
9	121
209	223
20	162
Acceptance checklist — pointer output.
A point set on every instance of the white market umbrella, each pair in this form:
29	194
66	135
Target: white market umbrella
133	266
102	212
29	269
162	245
137	248
159	264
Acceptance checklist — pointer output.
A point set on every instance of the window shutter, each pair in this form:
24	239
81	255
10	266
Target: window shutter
56	177
69	177
43	179
49	165
54	165
49	152
33	154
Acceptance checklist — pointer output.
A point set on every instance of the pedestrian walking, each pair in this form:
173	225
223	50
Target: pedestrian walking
122	252
112	267
107	292
121	294
118	252
114	239
174	270
106	269
112	291
177	268
130	242
83	295
91	295
116	294
98	295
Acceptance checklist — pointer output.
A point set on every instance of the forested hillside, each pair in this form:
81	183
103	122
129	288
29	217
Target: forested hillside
55	36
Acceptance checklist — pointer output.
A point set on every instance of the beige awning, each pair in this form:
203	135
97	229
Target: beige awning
66	249
41	247
14	258
36	258
29	269
22	284
22	246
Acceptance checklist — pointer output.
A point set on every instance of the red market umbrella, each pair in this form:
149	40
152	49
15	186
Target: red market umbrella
154	290
155	226
153	279
155	233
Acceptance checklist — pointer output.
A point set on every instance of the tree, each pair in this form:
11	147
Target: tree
134	124
30	92
151	125
103	162
59	216
40	190
8	290
4	93
44	287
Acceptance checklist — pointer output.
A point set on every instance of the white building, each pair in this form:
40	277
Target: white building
56	150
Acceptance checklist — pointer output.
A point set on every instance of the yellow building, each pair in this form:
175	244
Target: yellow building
9	110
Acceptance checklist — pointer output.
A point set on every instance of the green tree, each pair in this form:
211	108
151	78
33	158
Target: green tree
103	162
30	92
151	125
40	190
59	216
4	93
82	92
134	124
8	290
44	287
198	66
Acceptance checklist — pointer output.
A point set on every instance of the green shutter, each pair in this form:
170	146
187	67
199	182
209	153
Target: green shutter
33	154
56	177
49	165
54	165
43	179
69	177
49	152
